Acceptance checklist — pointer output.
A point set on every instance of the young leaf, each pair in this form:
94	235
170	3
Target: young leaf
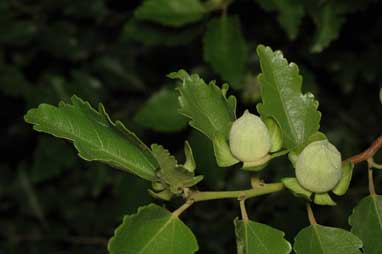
290	14
152	230
95	136
207	106
225	49
317	239
366	222
255	238
174	13
160	112
295	113
176	176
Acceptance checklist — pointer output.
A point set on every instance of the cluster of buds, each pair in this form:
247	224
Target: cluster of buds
318	166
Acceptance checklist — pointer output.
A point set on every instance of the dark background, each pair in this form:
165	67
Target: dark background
53	202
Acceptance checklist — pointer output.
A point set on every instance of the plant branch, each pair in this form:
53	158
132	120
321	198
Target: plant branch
311	217
375	165
370	176
244	214
197	196
183	208
368	153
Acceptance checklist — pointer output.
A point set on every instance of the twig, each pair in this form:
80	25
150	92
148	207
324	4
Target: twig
244	214
376	165
368	153
311	217
197	196
183	208
370	177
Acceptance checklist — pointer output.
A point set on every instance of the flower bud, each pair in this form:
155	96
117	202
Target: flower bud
249	138
318	167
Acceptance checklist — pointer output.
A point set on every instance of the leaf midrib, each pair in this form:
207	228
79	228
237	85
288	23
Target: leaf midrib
156	234
379	217
86	141
282	101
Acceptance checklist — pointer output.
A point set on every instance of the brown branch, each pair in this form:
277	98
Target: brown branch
368	153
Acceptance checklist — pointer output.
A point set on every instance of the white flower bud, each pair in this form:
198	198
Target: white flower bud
249	138
318	167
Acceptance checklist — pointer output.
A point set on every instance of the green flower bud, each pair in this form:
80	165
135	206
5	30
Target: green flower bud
249	139
318	167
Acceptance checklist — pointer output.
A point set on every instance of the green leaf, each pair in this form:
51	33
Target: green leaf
292	184
295	113
152	230
323	199
347	173
317	239
225	49
290	14
255	238
160	112
214	177
176	176
329	22
174	13
366	222
156	35
207	106
131	192
329	17
95	136
46	163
